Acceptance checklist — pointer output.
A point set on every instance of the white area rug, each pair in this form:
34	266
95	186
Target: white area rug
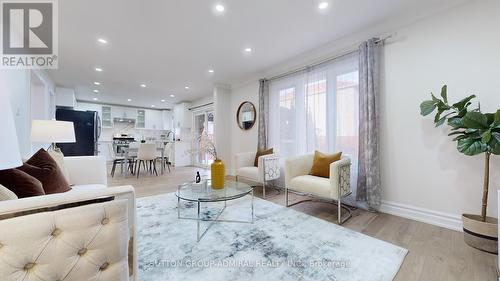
281	244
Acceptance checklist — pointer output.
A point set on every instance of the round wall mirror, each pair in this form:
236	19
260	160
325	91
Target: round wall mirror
245	117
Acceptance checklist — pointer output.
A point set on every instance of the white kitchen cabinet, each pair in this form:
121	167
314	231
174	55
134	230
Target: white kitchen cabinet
167	119
107	116
140	121
154	120
183	118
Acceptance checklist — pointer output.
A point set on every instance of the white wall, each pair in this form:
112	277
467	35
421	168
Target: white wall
27	102
423	175
243	141
222	101
420	165
202	101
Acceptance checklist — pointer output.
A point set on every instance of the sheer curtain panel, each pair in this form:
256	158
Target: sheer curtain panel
317	109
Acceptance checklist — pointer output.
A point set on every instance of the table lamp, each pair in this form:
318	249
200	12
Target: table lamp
9	150
52	131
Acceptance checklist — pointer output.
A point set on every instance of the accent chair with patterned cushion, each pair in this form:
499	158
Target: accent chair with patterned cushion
267	169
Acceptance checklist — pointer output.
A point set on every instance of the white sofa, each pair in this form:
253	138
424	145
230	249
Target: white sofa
268	168
84	234
334	188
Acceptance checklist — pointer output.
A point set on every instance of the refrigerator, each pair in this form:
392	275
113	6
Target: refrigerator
87	131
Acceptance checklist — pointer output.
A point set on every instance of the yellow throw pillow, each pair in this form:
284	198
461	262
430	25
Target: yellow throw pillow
321	163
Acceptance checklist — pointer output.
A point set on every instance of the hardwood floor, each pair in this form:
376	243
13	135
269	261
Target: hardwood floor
435	253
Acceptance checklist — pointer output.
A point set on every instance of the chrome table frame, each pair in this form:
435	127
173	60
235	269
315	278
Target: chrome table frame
198	218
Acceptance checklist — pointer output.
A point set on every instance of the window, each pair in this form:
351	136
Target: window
316	109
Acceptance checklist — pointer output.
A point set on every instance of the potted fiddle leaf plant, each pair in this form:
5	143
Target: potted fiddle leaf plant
475	133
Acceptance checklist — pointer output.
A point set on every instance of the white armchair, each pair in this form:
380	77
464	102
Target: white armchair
268	168
334	188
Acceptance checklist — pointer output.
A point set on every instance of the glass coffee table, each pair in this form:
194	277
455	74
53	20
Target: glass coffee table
203	193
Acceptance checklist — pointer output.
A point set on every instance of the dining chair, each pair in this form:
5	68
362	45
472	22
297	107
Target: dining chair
167	152
146	154
116	159
131	155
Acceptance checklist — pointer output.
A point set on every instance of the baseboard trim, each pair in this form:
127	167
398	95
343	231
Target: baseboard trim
445	220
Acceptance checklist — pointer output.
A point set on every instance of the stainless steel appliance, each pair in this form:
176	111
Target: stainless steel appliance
121	142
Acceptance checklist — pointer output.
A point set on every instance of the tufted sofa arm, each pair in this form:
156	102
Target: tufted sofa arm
96	230
84	170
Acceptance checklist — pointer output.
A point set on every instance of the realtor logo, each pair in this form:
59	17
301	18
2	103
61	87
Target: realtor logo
29	34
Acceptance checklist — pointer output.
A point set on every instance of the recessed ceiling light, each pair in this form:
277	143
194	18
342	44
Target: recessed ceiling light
95	91
187	87
248	50
162	100
102	41
98	69
323	5
172	96
95	99
97	83
219	8
129	99
211	71
143	85
152	105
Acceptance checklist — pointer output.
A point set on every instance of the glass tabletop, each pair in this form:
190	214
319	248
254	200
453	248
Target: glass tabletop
203	192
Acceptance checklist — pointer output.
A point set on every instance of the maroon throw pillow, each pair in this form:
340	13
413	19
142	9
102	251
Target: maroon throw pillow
45	169
22	184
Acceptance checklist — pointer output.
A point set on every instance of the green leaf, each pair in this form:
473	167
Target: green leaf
440	121
470	131
460	137
495	143
463	103
456	133
470	146
475	120
427	107
444	94
490	118
455	122
486	137
496	121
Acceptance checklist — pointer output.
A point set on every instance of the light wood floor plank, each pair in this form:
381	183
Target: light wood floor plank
435	253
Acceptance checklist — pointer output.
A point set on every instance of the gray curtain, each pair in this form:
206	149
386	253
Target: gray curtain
263	113
369	190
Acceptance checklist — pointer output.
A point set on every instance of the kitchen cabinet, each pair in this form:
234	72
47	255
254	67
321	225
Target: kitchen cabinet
140	122
183	118
149	119
167	119
106	117
154	120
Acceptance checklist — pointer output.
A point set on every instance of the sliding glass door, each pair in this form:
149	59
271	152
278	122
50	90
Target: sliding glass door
203	124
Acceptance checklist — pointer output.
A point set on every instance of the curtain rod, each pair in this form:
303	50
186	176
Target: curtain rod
335	57
203	105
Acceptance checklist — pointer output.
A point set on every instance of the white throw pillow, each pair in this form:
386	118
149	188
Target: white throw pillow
59	158
6	194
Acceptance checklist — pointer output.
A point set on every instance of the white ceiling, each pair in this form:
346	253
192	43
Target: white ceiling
168	44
